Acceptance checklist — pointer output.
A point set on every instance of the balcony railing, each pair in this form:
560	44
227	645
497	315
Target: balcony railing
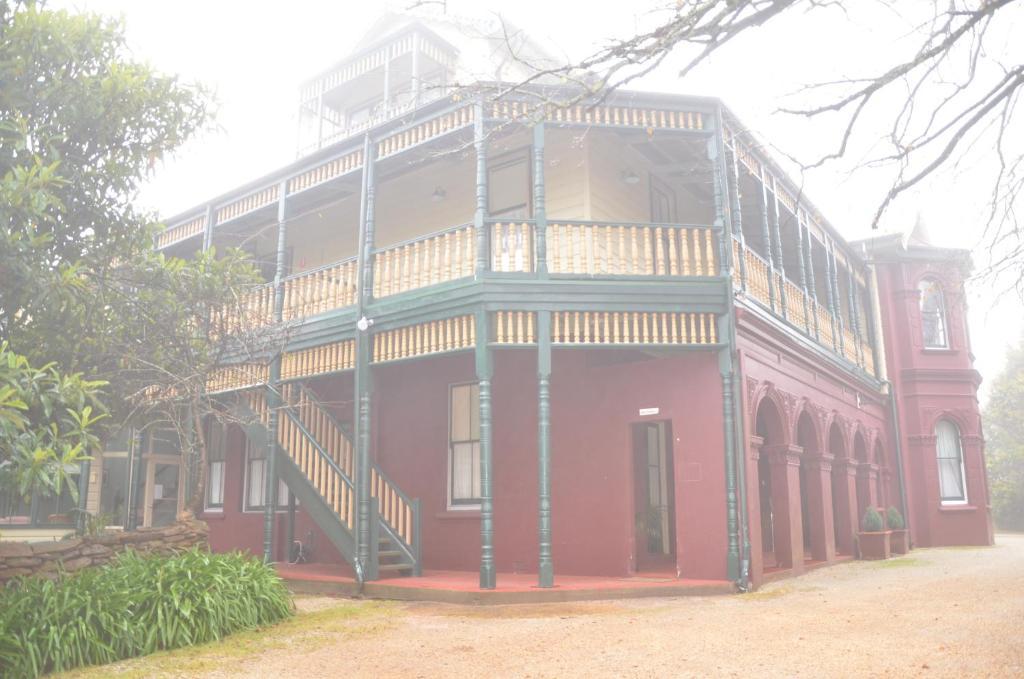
435	258
769	287
314	292
586	249
594	249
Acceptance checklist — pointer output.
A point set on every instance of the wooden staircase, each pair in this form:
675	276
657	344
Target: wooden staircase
315	458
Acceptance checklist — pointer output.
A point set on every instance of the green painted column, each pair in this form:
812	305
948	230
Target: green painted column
830	291
362	377
540	217
851	287
484	373
737	216
802	266
720	191
780	264
545	567
729	430
731	415
812	289
766	236
274	382
483	236
837	311
211	216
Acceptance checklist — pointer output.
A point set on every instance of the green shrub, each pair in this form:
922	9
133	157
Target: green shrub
894	520
872	521
134	606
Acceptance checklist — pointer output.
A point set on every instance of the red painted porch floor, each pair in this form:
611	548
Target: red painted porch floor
463	587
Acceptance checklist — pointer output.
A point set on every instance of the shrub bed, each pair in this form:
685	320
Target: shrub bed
134	606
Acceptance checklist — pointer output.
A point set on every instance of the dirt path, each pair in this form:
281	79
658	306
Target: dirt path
936	613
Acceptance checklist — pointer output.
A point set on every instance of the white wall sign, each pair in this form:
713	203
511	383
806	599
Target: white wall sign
649	411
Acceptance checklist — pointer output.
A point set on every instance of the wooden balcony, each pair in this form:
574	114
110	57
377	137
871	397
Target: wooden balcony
575	249
787	300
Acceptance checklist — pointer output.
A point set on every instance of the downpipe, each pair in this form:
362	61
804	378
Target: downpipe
898	435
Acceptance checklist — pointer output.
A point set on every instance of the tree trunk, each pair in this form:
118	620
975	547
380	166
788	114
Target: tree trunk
195	503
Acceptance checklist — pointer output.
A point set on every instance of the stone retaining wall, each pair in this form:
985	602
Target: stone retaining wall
49	558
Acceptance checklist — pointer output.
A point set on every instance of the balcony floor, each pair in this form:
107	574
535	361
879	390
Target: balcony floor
462	587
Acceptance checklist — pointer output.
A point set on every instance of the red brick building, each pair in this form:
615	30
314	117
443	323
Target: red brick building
603	338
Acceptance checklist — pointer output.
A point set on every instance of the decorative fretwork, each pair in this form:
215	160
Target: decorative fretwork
634	249
437	258
179	232
247	204
514	327
431	337
626	116
633	327
428	129
326	171
326	358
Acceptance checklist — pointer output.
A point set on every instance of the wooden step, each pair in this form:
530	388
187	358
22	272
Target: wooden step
388	553
394	567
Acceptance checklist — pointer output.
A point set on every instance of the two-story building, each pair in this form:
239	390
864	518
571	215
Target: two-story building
603	337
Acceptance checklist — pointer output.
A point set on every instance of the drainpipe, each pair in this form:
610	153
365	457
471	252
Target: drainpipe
738	557
894	411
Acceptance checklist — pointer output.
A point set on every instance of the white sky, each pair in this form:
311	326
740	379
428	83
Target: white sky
254	54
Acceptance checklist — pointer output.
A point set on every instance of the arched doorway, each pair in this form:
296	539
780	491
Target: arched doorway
844	492
768	426
816	508
778	491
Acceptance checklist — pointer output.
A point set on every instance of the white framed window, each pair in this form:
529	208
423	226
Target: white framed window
216	445
464	446
950	456
934	329
255	491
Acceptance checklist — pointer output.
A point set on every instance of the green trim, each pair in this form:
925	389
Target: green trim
545	566
274	378
540	219
363	378
484	373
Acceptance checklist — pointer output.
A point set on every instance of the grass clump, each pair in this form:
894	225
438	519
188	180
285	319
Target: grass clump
134	606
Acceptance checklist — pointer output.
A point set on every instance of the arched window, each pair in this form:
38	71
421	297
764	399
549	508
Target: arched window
933	315
950	455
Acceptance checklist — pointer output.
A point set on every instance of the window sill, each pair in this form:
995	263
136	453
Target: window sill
957	508
458	514
213	515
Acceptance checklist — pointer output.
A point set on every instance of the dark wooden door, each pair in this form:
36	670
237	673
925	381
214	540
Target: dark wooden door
654	493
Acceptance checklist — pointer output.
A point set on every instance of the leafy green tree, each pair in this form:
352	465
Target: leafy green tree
1004	433
81	125
47	423
82	290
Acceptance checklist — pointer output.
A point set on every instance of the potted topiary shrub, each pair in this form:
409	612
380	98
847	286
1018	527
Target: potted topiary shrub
899	540
873	537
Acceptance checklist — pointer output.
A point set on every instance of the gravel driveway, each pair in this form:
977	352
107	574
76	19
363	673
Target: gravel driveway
937	613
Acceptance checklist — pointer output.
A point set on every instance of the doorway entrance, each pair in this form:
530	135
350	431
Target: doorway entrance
654	493
163	491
